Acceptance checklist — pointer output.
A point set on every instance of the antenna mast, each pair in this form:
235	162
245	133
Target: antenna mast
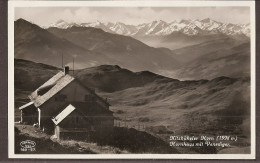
73	64
62	60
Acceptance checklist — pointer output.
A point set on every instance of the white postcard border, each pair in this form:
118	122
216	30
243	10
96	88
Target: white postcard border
13	4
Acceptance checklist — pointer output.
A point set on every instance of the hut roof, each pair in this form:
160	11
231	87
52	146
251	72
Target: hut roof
60	84
51	81
53	86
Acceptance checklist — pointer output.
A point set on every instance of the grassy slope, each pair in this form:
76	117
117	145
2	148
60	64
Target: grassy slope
217	107
194	105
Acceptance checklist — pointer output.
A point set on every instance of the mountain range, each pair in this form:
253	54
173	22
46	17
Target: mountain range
173	35
162	28
90	46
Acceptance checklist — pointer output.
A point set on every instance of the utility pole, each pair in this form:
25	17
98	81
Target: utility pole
73	65
62	60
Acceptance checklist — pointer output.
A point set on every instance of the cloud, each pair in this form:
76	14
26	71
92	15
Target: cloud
131	15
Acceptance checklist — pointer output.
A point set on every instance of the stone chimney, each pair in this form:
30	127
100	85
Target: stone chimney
66	70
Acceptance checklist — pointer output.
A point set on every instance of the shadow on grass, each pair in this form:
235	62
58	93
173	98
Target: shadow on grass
136	141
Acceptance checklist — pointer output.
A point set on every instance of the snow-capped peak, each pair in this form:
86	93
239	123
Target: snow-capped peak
207	20
160	27
185	21
63	24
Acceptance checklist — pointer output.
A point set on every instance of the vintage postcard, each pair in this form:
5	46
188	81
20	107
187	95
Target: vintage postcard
131	79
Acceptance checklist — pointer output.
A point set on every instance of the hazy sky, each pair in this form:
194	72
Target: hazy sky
44	16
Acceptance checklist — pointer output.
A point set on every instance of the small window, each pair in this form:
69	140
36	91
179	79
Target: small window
61	97
89	98
77	119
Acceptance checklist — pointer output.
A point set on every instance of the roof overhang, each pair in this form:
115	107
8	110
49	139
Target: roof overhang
26	105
